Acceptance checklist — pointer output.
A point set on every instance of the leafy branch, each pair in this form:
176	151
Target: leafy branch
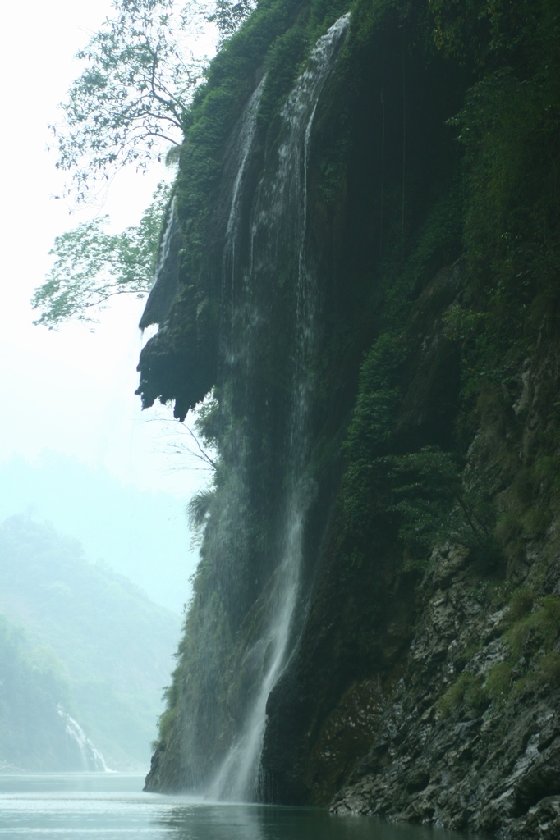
139	76
92	266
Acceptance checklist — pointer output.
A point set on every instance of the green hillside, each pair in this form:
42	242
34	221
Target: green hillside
112	645
32	731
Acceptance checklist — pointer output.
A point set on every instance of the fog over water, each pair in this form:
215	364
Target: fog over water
111	807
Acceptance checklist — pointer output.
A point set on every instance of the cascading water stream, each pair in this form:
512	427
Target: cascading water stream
91	758
238	776
245	142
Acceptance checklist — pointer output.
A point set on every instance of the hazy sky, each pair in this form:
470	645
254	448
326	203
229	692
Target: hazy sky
70	421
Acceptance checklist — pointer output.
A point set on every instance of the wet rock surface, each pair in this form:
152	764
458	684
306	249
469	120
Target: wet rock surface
366	344
465	761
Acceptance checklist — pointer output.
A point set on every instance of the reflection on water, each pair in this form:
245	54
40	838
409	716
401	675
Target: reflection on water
112	807
254	822
259	822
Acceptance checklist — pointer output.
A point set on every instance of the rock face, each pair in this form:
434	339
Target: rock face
371	311
443	750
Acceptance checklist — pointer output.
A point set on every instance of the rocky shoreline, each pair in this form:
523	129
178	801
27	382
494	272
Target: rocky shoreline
455	756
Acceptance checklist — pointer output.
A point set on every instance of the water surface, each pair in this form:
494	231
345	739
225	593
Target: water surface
104	806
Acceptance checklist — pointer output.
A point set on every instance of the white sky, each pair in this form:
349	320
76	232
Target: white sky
69	392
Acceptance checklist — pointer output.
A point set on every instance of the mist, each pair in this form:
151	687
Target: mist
134	532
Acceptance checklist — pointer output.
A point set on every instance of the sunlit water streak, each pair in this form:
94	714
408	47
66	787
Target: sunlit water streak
112	807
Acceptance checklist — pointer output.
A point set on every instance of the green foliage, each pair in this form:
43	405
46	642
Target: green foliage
230	81
371	426
129	100
92	266
370	431
465	696
34	658
531	633
496	126
482	32
282	63
499	681
462	324
286	56
527	507
536	520
418	495
507	681
547	473
32	734
548	668
140	74
424	485
520	605
208	422
228	16
199	506
91	633
468	30
540	628
507	127
167	719
392	487
204	660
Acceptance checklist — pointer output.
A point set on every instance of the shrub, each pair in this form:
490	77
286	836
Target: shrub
466	694
548	668
541	627
498	680
520	604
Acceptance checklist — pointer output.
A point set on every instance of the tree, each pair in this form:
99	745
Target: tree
129	101
140	74
128	104
228	15
92	266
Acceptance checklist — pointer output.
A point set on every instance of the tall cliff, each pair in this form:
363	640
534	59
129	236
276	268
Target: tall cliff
359	279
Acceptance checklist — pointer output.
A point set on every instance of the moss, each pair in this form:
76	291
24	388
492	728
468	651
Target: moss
498	681
507	528
548	668
547	473
536	521
538	679
539	629
520	604
526	505
465	695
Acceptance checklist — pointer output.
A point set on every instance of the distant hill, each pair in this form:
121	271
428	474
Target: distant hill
36	733
130	526
109	645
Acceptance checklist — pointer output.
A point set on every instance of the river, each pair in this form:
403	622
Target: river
111	806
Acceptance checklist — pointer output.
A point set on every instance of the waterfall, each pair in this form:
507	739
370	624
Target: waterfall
244	146
91	758
279	215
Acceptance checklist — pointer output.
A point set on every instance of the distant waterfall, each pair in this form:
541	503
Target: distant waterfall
279	215
91	758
